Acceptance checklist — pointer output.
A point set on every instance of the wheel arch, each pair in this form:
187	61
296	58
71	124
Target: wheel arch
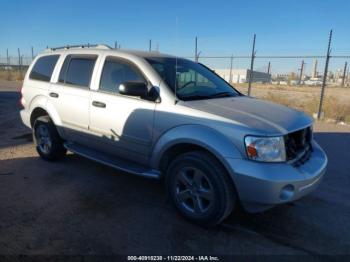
41	104
186	138
37	112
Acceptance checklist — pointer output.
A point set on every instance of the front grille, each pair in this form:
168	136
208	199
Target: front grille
298	146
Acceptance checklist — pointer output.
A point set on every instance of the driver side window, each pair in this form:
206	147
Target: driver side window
116	72
197	79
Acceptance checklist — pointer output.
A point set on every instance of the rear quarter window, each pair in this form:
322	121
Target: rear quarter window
43	68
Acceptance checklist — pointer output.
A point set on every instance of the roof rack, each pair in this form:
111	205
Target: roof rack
98	46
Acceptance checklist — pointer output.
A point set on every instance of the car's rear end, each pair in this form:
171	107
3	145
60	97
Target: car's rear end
36	84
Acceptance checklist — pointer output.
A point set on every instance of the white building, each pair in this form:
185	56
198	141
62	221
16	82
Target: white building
242	75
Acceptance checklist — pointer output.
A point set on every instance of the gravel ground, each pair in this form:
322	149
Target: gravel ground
78	207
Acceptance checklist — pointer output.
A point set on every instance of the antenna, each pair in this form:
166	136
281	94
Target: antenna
176	45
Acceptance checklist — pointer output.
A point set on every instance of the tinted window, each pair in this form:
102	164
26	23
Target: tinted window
77	71
116	72
191	80
43	68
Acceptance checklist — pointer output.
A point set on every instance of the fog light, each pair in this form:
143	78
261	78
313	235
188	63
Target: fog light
287	192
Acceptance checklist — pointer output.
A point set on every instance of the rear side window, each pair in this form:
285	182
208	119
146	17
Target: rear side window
43	68
116	72
77	71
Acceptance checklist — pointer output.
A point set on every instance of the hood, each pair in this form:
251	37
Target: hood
258	115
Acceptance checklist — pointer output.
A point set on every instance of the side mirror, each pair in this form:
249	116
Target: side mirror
133	89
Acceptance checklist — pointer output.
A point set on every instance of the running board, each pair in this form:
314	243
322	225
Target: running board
112	161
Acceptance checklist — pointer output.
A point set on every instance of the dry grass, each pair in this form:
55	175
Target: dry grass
336	104
332	107
11	75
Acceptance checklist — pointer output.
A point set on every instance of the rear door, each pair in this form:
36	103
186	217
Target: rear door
70	95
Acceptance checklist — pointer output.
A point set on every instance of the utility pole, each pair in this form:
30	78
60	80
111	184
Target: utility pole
150	45
325	75
231	63
269	68
116	45
251	67
301	72
32	53
344	74
196	51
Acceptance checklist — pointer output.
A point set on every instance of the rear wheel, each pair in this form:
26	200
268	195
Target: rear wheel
49	144
200	188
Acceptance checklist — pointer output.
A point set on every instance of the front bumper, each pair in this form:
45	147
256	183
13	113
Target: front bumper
262	185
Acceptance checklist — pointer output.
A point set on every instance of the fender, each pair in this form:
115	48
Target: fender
203	136
44	103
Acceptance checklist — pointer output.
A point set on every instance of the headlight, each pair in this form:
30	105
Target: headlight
265	149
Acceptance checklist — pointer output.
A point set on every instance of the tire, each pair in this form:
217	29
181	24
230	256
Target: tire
49	144
200	188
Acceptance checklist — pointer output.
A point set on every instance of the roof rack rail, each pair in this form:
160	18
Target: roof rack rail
98	46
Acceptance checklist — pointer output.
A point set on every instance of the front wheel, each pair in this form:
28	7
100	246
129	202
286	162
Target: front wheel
49	144
200	188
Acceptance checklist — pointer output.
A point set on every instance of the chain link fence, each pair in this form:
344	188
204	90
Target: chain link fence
317	85
295	81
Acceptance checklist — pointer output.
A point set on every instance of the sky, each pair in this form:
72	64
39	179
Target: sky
222	27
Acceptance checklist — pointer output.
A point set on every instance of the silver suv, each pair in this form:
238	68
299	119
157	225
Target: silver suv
165	117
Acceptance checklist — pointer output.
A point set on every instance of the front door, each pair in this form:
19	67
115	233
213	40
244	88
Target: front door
123	124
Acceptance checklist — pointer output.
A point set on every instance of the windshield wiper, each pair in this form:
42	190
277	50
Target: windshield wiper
221	94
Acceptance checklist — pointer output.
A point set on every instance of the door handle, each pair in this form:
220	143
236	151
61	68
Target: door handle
55	95
98	104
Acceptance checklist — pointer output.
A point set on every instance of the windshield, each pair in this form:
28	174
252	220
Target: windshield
192	81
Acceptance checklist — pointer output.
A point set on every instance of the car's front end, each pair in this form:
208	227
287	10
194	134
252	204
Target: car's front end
279	177
280	160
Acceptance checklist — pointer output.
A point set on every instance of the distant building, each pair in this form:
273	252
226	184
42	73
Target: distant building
243	75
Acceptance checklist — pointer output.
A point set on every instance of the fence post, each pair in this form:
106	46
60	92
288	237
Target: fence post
319	115
251	67
344	74
19	63
230	79
301	72
196	50
7	57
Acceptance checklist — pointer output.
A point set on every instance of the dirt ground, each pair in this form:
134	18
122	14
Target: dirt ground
79	207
